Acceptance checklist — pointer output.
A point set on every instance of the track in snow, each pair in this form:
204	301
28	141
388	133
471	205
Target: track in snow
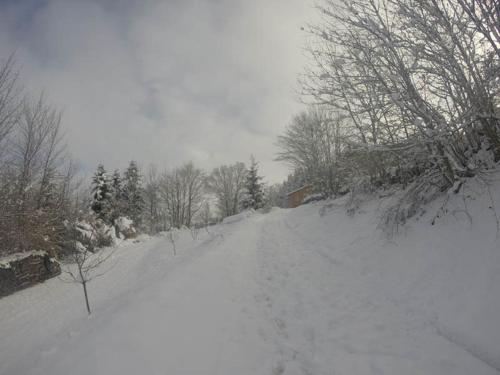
256	296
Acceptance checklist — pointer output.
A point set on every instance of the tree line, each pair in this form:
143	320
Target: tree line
185	196
45	203
399	92
37	177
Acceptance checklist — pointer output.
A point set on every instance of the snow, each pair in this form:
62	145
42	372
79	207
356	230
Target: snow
124	223
238	217
309	290
312	197
6	260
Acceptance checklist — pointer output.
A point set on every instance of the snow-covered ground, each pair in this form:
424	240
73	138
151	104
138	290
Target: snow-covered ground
303	291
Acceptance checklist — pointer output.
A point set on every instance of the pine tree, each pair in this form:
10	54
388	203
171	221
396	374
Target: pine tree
117	198
132	192
254	197
116	182
102	195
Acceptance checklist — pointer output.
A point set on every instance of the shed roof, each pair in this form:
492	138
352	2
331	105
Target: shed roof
299	189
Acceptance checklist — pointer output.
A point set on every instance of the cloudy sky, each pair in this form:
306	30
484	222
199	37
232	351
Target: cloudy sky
211	81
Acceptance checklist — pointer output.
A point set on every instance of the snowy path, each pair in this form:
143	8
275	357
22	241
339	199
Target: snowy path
331	322
264	295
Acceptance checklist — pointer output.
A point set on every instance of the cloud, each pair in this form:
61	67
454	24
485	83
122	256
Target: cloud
164	81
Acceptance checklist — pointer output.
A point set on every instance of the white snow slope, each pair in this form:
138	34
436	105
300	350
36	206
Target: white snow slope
303	291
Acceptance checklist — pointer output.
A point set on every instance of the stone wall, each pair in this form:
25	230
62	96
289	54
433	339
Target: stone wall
23	270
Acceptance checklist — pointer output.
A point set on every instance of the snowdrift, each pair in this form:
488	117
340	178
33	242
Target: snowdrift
318	289
443	265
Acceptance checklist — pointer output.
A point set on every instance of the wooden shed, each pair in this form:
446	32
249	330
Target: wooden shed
296	197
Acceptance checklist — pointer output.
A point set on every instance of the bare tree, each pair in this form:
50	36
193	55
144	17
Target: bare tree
194	230
312	144
227	183
416	85
182	193
172	237
36	185
206	215
9	98
87	260
413	78
486	17
152	199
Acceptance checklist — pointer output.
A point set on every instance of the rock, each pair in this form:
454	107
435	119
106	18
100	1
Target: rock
19	271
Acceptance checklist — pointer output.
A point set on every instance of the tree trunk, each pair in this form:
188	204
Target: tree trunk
84	284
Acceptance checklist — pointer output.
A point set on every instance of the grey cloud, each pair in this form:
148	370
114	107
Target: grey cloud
164	81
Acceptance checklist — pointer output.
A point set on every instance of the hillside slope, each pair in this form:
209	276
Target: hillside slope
302	291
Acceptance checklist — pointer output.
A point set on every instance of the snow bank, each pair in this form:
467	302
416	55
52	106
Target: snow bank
442	267
312	198
238	217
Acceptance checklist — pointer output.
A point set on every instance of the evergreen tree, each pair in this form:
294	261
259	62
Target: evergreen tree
102	195
117	192
254	197
116	182
132	193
